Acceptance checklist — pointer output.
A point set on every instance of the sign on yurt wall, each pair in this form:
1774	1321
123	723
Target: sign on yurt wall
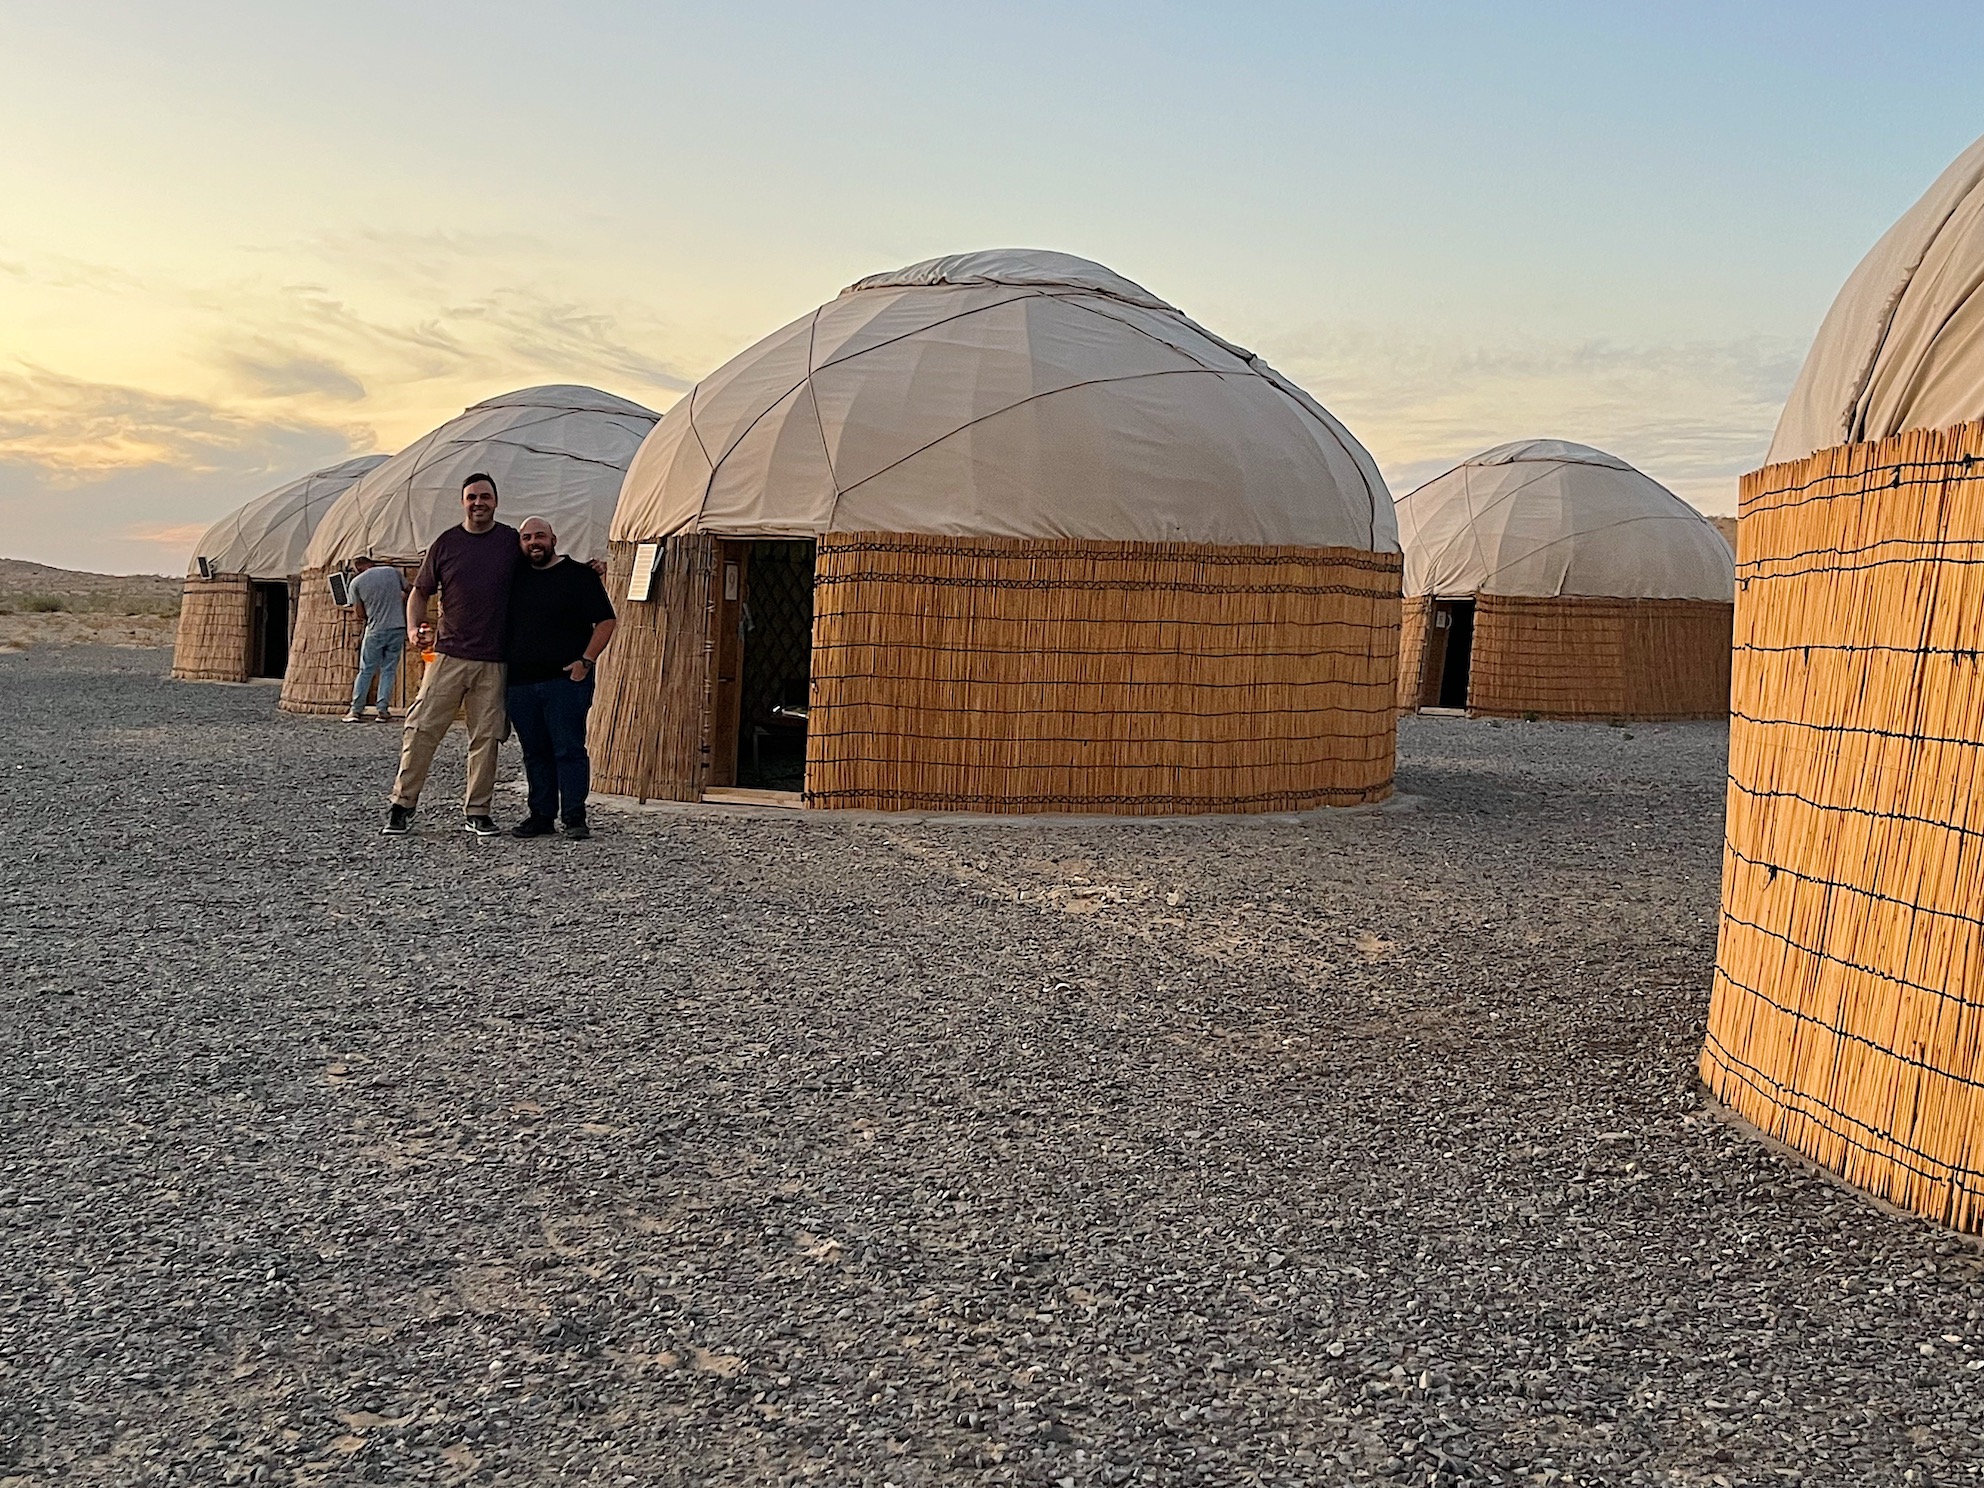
1052	545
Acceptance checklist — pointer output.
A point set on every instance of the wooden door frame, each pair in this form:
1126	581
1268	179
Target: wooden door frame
1433	674
726	676
1433	656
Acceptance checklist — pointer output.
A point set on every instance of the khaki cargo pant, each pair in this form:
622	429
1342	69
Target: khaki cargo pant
475	687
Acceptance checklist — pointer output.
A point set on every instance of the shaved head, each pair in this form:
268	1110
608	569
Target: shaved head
540	543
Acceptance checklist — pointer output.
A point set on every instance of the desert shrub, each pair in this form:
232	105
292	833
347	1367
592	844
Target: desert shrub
44	604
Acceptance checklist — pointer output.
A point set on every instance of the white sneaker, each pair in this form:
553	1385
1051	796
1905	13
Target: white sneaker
351	718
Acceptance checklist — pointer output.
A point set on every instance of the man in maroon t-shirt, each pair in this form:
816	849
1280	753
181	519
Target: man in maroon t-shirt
473	566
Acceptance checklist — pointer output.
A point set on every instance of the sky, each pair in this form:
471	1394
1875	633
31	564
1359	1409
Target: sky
239	241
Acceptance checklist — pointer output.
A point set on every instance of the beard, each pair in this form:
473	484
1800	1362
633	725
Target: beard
541	559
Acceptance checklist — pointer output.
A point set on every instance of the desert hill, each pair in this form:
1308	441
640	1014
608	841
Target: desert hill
20	578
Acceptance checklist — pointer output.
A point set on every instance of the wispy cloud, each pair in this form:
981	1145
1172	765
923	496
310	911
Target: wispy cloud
177	538
1693	414
427	306
72	431
267	369
290	359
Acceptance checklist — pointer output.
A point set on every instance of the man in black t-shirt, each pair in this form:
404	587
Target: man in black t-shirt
560	620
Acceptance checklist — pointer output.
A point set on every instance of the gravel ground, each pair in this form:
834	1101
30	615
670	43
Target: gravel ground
765	1149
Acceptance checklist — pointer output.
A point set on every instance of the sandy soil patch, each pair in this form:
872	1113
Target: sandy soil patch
86	628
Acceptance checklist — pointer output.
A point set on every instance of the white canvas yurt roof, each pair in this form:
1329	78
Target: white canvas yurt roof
267	538
1903	345
1545	517
556	452
1010	393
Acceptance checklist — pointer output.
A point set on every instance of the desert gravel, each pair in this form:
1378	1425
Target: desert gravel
747	1149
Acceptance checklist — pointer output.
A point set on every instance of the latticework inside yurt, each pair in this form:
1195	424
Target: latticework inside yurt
238	609
1002	532
1849	988
556	452
1547	579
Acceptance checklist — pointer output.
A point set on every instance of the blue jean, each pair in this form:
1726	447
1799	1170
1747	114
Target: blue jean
378	656
550	720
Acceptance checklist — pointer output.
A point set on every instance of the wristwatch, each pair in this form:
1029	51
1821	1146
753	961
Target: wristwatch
588	663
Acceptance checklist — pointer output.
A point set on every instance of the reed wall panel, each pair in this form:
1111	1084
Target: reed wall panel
649	732
1848	1012
1585	658
323	653
214	640
989	674
1415	614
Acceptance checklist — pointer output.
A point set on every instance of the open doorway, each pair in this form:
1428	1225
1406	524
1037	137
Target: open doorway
1449	654
268	629
763	655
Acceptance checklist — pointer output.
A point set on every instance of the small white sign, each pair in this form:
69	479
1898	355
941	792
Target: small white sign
647	557
730	581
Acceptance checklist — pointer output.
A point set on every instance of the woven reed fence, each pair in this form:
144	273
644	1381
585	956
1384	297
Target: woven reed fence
214	640
650	726
1848	1014
991	674
1579	657
323	653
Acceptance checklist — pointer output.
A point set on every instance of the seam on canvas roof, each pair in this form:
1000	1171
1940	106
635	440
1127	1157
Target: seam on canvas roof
1035	398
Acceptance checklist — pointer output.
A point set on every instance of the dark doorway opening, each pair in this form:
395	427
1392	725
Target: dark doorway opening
1449	654
268	629
776	666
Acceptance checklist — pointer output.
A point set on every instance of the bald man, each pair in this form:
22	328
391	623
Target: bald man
560	620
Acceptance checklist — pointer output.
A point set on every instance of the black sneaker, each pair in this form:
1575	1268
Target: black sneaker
533	826
481	826
576	829
399	821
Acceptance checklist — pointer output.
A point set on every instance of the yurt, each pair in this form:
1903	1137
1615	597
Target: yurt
1001	532
239	605
556	452
1551	580
1849	985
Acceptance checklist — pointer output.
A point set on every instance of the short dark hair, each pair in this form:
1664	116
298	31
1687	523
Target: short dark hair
482	475
363	560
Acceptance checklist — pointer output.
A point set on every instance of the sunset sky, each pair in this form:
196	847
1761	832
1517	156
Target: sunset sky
238	242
